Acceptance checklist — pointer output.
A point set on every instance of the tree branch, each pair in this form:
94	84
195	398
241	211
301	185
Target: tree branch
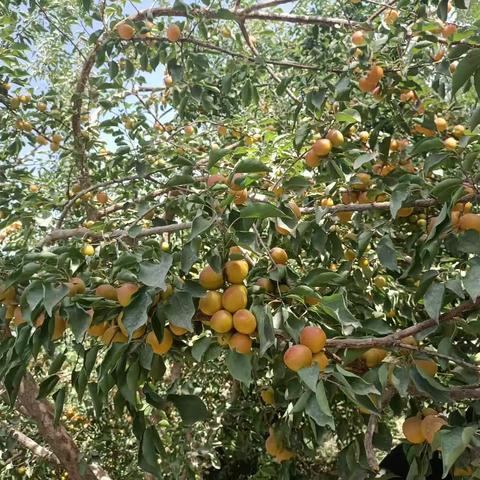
394	338
64	234
216	48
261	6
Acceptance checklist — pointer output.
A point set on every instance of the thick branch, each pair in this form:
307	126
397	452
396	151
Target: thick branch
33	446
261	6
82	232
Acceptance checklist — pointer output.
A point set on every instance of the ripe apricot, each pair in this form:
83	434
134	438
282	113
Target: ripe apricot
450	143
441	124
240	343
313	337
312	160
173	33
139	332
295	209
458	131
106	291
390	16
374	356
404	212
125	293
375	74
244	321
358	38
366	85
210	303
321	359
98	329
412	430
430	425
468	221
160	348
102	198
297	357
428	366
236	271
221	321
449	29
279	255
322	147
361	181
234	298
125	31
76	286
335	137
113	334
214	179
178	331
210	279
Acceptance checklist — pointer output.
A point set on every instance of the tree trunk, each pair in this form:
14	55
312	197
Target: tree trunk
61	444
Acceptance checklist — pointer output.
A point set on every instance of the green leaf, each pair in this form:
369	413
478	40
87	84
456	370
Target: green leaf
177	180
135	314
53	296
59	399
266	331
471	282
199	225
322	401
251	166
475	118
47	386
180	310
240	366
465	69
216	155
309	376
33	294
334	306
314	411
399	195
445	189
57	363
320	277
433	299
190	407
154	274
201	346
387	254
427	145
301	135
247	93
453	443
426	384
78	320
350	115
362	159
261	210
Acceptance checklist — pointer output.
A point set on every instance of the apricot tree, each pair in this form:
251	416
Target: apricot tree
258	220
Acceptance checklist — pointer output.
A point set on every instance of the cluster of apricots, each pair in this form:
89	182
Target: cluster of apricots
322	147
227	310
423	427
237	190
310	350
108	331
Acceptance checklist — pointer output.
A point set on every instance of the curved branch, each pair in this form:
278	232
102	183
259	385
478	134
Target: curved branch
393	339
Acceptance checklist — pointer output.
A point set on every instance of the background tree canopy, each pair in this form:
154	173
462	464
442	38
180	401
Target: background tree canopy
239	240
